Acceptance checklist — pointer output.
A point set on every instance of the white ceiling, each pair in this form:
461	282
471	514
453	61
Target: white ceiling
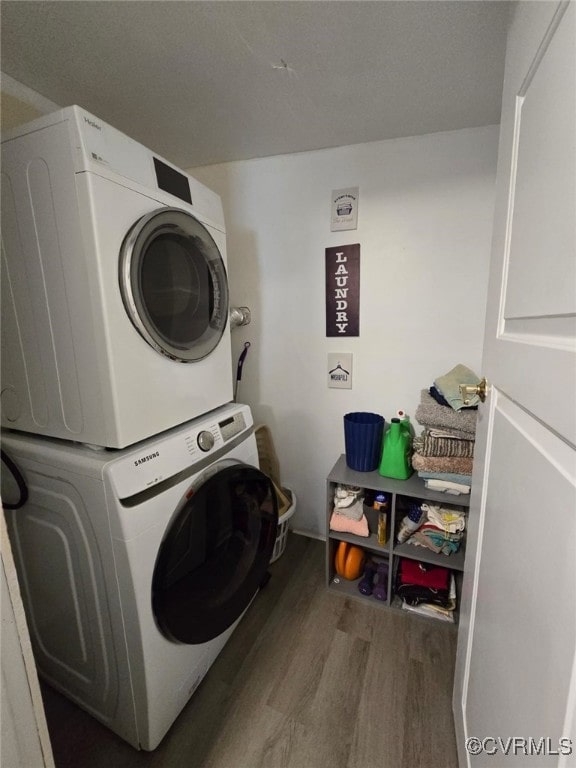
207	82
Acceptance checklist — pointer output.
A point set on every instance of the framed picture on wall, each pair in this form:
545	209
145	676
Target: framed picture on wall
344	214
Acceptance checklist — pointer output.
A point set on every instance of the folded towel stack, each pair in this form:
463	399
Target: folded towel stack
443	530
348	513
439	529
444	451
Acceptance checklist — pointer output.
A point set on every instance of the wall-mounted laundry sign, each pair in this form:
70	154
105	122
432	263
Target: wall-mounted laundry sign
344	213
340	370
343	290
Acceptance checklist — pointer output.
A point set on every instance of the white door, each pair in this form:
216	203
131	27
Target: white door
24	739
515	684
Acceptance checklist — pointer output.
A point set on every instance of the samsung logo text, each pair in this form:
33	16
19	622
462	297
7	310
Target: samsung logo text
144	459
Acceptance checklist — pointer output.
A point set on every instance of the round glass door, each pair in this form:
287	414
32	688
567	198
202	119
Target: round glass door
215	553
174	284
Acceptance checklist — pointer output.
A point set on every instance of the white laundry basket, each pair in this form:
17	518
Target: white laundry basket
285	497
282	534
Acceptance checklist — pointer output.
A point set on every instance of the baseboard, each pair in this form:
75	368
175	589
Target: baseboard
308	534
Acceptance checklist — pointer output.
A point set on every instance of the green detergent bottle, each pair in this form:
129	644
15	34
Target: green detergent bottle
395	460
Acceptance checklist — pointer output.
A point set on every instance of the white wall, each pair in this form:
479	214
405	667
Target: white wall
20	104
425	220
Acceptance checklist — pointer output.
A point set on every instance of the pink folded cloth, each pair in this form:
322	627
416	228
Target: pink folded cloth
344	524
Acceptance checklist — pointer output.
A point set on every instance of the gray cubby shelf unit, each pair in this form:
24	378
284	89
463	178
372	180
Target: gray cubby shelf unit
400	493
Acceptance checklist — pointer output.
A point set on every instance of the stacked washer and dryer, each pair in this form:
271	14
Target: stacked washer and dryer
147	526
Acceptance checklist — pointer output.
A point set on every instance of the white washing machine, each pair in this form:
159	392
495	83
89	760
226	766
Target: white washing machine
114	286
135	566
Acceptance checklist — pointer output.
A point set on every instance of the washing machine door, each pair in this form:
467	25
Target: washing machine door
215	553
174	285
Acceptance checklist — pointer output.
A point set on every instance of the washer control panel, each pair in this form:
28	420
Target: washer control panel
232	426
205	440
160	458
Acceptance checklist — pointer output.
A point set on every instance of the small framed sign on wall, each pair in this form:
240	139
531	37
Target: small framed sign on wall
344	210
343	290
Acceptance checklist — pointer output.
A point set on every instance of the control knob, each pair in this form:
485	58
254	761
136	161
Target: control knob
205	440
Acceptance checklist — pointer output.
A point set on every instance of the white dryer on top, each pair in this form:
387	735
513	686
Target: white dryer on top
114	286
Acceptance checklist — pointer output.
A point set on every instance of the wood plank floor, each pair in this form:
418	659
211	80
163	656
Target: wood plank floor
308	680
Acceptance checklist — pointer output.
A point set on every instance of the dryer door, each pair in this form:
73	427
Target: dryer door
215	553
174	285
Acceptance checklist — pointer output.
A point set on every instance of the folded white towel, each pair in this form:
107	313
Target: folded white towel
447	486
450	520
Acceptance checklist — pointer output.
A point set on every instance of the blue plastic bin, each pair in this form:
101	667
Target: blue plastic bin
363	439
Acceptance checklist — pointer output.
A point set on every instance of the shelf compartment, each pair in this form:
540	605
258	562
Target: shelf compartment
348	588
454	562
397	606
369	543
